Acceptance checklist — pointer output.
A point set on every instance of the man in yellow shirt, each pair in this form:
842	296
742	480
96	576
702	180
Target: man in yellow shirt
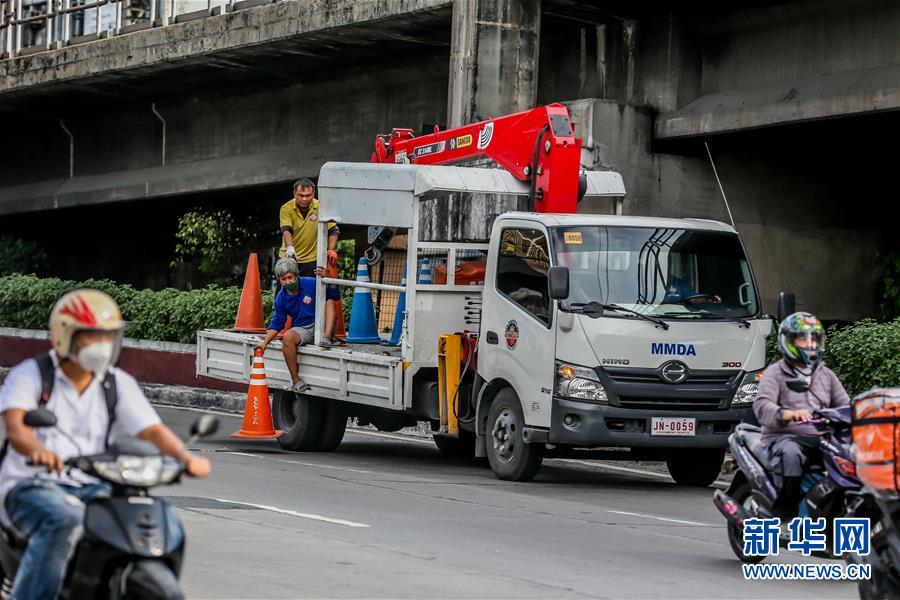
299	219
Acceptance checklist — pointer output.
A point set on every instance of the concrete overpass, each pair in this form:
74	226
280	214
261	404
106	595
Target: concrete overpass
793	98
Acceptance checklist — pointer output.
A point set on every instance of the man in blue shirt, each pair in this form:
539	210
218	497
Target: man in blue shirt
679	290
297	299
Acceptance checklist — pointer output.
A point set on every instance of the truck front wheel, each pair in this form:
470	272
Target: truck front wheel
508	454
300	417
697	467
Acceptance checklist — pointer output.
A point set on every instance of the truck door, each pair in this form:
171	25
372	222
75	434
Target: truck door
517	342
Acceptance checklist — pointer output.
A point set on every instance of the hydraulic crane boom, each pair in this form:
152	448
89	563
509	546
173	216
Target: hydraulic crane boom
537	146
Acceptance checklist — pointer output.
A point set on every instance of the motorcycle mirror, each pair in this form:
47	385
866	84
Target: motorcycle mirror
787	305
801	384
40	417
204	426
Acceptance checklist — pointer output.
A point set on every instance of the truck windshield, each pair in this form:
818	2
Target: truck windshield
675	273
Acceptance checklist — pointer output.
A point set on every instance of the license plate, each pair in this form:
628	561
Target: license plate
678	426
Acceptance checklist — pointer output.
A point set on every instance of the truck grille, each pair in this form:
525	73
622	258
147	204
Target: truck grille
652	376
641	403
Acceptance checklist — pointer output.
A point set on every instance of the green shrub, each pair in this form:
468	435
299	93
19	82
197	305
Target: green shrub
166	315
865	354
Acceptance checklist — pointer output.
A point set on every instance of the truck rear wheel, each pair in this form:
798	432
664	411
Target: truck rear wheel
300	417
334	424
508	454
697	467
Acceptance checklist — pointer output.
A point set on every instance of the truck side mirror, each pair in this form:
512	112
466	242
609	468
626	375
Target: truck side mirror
786	305
559	283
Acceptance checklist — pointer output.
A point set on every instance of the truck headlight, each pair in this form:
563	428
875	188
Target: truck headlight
746	392
578	383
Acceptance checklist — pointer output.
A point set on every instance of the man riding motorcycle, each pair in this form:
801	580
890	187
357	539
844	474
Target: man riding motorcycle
93	401
790	444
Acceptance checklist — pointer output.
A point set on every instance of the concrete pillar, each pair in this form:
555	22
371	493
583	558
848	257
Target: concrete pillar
493	58
493	72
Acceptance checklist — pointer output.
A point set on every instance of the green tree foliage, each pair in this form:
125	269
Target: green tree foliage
346	270
890	284
20	256
213	241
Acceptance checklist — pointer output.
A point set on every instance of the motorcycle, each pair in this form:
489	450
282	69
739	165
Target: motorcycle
876	452
133	543
884	557
831	488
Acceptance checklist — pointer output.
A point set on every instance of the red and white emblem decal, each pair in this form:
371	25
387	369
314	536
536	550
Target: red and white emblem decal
307	299
511	334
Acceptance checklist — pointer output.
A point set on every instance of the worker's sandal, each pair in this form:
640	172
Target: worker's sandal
299	387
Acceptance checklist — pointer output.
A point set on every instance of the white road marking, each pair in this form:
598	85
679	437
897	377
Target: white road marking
297	462
294	513
605	465
642	515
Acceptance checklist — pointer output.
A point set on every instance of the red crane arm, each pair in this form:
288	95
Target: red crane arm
537	146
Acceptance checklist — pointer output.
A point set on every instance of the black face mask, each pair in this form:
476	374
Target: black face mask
802	381
798	384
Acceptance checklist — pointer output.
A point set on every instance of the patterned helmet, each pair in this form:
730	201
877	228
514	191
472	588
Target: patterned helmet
801	338
83	310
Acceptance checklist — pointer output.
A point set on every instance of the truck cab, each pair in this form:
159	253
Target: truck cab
602	331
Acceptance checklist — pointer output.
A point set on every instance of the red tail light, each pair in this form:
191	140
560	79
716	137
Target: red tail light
847	467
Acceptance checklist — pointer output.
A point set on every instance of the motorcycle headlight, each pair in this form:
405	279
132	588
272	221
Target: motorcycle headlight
139	471
746	392
578	383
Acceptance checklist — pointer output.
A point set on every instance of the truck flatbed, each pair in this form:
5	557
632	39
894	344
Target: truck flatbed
366	373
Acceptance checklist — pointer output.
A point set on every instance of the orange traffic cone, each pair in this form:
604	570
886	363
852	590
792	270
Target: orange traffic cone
339	331
250	312
257	413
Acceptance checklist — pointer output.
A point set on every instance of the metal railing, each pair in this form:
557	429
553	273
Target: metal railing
28	26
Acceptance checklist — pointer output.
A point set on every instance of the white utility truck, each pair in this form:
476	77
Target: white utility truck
589	333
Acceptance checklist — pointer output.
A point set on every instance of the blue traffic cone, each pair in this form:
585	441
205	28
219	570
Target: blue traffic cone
362	315
398	316
425	273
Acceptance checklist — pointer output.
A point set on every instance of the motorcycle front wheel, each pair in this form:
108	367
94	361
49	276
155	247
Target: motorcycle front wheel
147	580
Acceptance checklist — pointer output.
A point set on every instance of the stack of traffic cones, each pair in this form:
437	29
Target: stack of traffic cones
362	314
425	276
257	423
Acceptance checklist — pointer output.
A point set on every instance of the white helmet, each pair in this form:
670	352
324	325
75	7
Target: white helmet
85	310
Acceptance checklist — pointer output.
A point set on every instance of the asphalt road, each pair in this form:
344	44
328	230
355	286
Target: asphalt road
389	517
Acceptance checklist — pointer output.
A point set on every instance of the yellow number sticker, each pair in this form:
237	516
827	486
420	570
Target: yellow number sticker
572	237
